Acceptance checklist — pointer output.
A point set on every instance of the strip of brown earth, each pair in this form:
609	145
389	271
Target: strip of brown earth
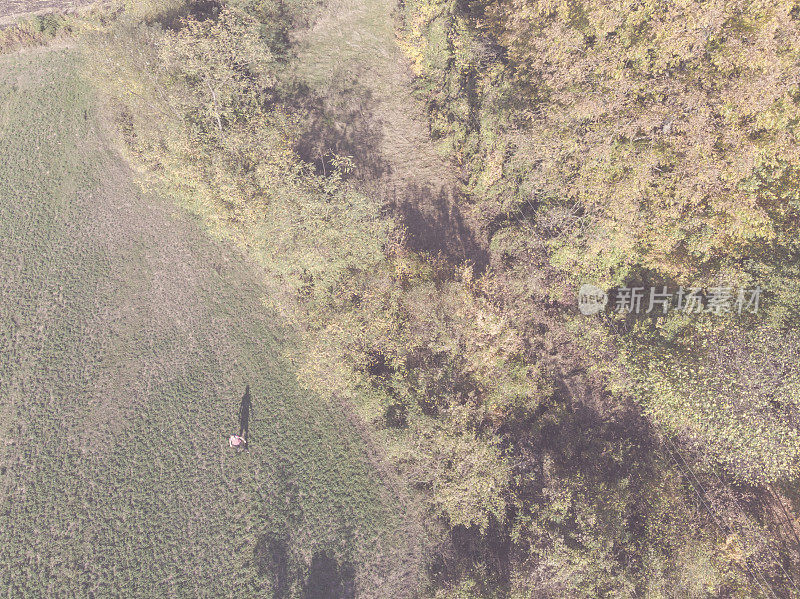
13	10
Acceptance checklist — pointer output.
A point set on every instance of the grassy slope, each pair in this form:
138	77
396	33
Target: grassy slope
126	339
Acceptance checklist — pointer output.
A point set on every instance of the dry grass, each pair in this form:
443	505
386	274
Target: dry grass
350	55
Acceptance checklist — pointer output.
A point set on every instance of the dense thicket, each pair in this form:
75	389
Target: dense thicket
644	143
640	144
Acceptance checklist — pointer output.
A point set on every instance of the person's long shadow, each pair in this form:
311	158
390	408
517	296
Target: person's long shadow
244	414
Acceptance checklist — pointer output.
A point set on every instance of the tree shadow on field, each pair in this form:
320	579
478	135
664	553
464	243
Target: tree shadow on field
328	580
325	578
271	557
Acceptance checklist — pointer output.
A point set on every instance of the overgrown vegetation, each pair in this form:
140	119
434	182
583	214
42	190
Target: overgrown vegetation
643	144
547	454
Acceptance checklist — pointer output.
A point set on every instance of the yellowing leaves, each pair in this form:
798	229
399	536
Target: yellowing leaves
413	40
471	484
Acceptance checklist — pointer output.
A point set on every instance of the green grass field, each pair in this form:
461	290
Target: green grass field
127	336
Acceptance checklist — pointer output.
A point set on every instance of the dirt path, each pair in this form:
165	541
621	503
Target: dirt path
12	10
351	58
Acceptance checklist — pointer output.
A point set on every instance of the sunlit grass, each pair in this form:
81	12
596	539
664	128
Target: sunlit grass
126	339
